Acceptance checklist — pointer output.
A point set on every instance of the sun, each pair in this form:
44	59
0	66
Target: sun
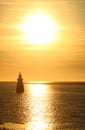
38	29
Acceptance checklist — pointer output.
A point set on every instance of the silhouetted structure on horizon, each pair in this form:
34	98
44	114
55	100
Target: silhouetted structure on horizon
20	84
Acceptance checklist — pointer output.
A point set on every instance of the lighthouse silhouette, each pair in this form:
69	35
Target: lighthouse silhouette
20	84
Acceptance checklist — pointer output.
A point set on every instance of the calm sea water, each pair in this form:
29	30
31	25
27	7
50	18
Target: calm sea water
43	107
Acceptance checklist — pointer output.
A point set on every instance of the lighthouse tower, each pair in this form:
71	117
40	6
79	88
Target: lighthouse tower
20	84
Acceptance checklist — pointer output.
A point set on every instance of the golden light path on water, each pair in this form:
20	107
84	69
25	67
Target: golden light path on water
38	89
38	105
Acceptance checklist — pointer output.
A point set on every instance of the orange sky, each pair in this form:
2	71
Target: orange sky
64	59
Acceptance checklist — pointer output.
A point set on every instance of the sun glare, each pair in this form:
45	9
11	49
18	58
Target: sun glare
37	89
38	29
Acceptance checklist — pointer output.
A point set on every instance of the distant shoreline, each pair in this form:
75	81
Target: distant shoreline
51	83
62	83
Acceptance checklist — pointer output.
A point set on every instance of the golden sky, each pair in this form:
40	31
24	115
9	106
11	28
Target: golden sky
61	60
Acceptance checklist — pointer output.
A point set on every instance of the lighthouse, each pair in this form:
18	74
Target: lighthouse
20	84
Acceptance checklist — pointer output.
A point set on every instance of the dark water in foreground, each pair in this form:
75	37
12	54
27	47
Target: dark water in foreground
43	107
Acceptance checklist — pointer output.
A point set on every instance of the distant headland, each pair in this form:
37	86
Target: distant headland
49	83
63	83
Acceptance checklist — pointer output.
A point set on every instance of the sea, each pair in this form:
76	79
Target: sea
42	107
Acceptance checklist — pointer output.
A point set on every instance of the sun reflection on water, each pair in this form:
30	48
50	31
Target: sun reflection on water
39	125
37	89
38	107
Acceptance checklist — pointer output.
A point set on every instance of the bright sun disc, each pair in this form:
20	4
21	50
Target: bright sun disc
38	29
